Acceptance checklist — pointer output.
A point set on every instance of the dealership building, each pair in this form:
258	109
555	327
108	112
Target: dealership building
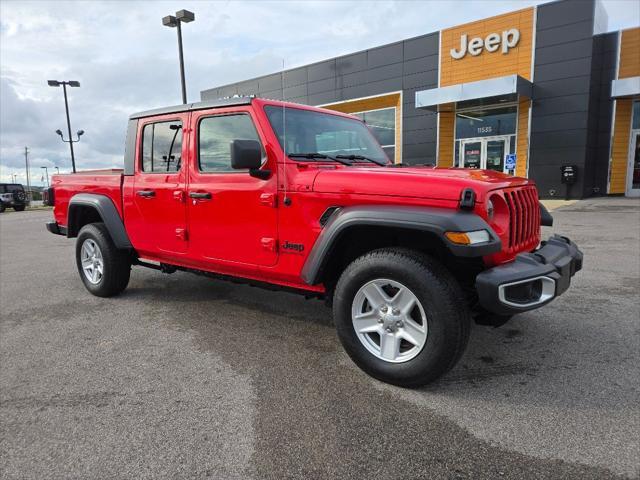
528	93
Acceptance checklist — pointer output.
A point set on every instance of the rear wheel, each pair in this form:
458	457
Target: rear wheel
19	208
104	269
401	317
2	207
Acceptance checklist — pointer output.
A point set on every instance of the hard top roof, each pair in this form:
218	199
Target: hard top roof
225	102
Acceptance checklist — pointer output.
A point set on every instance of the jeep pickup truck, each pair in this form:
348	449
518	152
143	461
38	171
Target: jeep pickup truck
304	199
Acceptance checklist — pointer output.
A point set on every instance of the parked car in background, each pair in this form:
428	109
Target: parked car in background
12	195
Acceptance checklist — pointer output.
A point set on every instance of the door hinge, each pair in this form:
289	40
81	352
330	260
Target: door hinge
269	244
268	199
181	233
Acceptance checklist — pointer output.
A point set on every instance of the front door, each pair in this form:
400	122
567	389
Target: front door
157	221
485	153
232	215
633	171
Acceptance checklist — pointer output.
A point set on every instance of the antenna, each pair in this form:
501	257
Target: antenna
286	200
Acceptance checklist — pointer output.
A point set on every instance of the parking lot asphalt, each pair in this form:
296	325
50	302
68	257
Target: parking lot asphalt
186	377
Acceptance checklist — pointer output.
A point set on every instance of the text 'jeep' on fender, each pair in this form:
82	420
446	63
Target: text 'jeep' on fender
302	198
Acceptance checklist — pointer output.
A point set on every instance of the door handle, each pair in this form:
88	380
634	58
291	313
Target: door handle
146	193
200	195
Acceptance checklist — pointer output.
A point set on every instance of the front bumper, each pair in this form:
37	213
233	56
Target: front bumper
531	280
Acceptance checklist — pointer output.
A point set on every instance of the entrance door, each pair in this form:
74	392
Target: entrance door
633	171
232	215
494	157
486	153
472	154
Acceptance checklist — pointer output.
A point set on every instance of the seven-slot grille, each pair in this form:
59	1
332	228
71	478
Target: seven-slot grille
524	216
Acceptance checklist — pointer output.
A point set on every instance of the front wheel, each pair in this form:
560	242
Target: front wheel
104	269
401	316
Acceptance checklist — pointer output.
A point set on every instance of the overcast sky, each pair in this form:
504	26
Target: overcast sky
127	61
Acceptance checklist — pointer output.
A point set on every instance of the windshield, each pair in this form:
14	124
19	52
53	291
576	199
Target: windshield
323	133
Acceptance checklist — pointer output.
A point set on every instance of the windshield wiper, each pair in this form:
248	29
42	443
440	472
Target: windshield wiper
312	155
362	157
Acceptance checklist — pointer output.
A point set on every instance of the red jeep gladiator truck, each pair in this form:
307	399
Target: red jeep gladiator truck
304	199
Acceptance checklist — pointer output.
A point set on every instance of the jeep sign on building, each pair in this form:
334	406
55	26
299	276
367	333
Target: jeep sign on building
543	86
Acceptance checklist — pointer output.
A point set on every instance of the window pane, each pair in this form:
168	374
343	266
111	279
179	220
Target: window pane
391	153
636	115
162	147
215	137
486	123
382	124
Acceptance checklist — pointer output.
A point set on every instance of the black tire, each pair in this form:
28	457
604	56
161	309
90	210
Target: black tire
448	317
19	208
116	263
2	207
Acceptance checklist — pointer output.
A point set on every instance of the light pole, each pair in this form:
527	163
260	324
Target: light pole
71	83
57	170
46	170
182	16
71	141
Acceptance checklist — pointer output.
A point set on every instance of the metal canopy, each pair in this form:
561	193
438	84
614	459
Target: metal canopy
493	87
625	87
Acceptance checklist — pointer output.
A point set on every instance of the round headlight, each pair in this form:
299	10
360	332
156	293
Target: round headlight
490	210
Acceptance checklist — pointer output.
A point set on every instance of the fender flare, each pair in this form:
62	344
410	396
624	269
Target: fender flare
434	220
108	213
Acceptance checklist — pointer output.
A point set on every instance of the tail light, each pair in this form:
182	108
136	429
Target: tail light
48	196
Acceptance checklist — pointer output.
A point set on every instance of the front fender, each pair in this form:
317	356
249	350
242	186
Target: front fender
434	220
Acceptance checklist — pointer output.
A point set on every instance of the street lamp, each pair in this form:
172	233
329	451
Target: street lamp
170	21
57	170
71	83
46	170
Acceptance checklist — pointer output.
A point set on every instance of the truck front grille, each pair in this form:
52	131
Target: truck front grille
524	217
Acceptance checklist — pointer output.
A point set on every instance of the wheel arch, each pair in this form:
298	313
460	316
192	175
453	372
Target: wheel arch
85	208
353	231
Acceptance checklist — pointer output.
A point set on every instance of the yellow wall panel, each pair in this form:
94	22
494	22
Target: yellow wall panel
487	64
522	138
630	53
445	138
620	147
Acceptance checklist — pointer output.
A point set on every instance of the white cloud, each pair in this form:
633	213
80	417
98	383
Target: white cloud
126	60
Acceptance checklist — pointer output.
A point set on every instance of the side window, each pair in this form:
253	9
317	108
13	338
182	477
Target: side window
162	147
215	135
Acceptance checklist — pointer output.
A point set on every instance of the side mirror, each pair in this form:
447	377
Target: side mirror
248	154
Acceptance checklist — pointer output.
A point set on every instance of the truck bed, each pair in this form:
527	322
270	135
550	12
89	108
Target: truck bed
106	182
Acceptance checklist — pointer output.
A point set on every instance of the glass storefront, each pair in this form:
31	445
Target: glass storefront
484	136
382	124
633	173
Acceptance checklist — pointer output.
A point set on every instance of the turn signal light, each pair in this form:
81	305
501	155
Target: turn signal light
468	238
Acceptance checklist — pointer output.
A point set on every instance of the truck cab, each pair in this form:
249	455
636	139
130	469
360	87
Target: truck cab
300	198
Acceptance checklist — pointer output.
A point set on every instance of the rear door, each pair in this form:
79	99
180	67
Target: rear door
232	215
157	223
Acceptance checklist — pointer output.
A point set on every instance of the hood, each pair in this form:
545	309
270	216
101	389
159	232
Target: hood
421	182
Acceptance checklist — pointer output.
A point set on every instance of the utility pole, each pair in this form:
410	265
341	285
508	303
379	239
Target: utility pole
26	163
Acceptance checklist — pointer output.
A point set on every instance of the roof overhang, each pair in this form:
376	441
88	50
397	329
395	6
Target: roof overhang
625	87
493	87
